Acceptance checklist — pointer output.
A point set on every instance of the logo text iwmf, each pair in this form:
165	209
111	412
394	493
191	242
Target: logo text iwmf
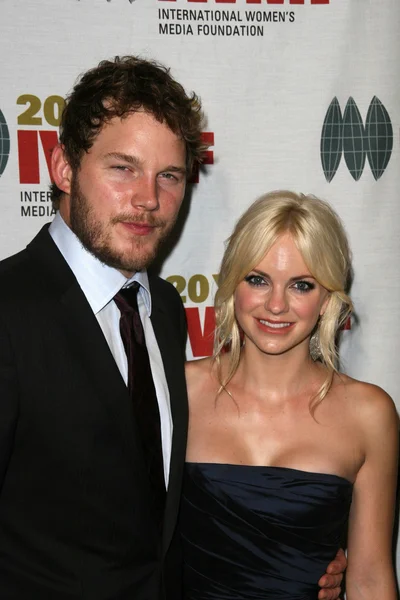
268	2
33	117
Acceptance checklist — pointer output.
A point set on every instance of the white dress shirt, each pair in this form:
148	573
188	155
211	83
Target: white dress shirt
100	283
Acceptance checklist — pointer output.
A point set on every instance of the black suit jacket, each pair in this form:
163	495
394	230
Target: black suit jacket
76	513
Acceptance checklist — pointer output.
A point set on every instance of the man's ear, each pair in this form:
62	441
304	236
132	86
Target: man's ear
60	169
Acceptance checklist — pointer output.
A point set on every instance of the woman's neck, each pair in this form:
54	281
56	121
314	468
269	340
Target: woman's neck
277	376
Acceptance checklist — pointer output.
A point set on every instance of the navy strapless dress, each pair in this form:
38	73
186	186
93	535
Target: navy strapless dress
257	533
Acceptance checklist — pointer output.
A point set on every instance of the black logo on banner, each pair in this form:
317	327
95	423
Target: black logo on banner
346	134
4	143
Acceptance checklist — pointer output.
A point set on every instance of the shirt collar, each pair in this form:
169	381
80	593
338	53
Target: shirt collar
98	281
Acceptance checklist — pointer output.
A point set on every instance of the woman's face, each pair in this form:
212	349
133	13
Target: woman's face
278	303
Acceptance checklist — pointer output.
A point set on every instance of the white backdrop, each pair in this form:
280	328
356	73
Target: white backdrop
299	94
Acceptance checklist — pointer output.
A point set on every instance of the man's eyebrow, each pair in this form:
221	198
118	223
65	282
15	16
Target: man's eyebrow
175	169
132	160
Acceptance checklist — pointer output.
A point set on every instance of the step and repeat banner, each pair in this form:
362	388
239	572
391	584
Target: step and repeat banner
299	94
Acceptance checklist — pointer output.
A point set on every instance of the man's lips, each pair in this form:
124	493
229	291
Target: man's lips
139	228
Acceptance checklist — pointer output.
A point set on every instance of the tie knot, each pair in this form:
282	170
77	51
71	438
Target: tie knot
126	299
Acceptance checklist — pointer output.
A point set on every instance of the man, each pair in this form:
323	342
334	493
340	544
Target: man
83	510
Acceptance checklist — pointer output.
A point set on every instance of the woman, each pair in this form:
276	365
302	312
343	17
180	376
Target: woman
284	451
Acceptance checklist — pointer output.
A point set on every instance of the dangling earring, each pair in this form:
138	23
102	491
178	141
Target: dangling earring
315	349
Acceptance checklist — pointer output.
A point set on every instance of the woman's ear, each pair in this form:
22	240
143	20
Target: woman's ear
325	303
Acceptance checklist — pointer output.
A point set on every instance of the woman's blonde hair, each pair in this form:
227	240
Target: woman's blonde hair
320	237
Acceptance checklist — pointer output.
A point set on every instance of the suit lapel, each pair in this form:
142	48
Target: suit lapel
88	344
171	352
91	346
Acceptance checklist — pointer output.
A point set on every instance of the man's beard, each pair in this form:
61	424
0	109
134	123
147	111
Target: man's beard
96	236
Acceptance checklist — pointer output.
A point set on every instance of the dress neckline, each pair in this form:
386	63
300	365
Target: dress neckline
271	468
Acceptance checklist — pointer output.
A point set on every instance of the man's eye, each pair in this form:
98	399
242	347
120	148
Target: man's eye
255	280
169	176
120	168
304	286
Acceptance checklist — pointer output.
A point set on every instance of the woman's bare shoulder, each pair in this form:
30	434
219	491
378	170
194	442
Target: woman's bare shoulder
200	381
370	402
196	370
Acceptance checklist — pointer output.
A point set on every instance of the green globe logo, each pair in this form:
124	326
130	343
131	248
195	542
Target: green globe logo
4	143
345	134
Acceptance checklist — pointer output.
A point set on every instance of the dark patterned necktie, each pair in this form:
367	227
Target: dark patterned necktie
142	392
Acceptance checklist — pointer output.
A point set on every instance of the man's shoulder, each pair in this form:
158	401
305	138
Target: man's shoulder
163	290
14	263
13	267
16	282
167	302
27	270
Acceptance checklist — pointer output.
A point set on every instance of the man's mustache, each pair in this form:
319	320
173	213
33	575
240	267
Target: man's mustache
142	219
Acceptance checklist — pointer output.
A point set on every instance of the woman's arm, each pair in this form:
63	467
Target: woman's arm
370	574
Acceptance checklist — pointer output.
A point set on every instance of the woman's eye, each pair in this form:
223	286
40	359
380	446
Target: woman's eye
304	286
255	280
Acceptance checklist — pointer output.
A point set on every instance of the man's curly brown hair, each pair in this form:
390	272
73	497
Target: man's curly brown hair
121	86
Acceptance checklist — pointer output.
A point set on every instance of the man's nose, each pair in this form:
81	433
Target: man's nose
145	194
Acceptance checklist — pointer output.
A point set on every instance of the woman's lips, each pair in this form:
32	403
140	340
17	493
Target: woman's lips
277	327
